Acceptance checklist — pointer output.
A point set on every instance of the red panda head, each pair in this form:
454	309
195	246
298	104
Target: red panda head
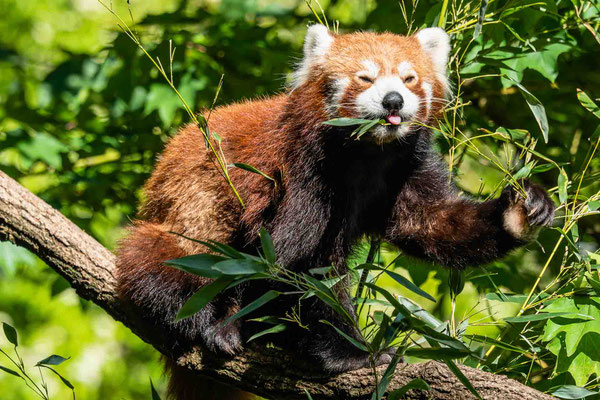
401	79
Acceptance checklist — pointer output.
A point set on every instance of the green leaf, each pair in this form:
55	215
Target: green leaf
386	377
588	103
53	360
594	205
399	279
480	18
418	384
261	301
274	329
574	343
572	392
240	267
461	377
155	395
594	284
563	181
436	353
347	121
409	285
524	172
319	271
9	371
267	245
506	298
250	168
308	394
326	295
203	296
456	281
198	264
537	108
349	338
495	342
11	334
547	315
62	378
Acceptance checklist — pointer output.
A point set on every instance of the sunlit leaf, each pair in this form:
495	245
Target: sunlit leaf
547	315
574	342
588	103
572	392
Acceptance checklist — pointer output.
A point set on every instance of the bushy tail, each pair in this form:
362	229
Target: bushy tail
159	292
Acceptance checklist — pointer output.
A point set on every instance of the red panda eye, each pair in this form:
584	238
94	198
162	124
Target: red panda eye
365	79
409	79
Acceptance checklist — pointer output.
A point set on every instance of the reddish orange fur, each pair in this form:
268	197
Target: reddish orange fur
187	194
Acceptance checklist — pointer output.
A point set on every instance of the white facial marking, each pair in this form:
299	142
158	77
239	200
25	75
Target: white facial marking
369	105
371	69
339	88
428	89
405	68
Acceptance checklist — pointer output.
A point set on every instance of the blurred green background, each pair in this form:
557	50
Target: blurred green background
83	115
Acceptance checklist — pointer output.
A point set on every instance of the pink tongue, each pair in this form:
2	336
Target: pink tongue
394	119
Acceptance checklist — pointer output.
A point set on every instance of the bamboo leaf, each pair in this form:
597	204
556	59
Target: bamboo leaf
572	392
461	377
155	395
267	245
250	168
349	338
418	384
436	353
10	333
347	121
274	329
203	296
254	305
239	267
199	264
547	315
10	371
53	360
588	103
537	108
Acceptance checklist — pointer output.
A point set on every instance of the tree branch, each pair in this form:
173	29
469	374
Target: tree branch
28	221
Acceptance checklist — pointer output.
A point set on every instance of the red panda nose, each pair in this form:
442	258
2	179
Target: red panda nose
392	101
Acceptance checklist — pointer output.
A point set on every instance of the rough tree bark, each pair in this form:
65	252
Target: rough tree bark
28	221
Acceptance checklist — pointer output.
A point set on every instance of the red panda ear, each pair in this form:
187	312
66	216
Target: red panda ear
436	43
317	41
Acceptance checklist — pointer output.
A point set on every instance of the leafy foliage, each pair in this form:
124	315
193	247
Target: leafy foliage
83	115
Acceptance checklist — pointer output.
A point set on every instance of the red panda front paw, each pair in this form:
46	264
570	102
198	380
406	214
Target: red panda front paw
225	339
523	216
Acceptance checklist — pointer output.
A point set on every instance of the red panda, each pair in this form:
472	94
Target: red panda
332	190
